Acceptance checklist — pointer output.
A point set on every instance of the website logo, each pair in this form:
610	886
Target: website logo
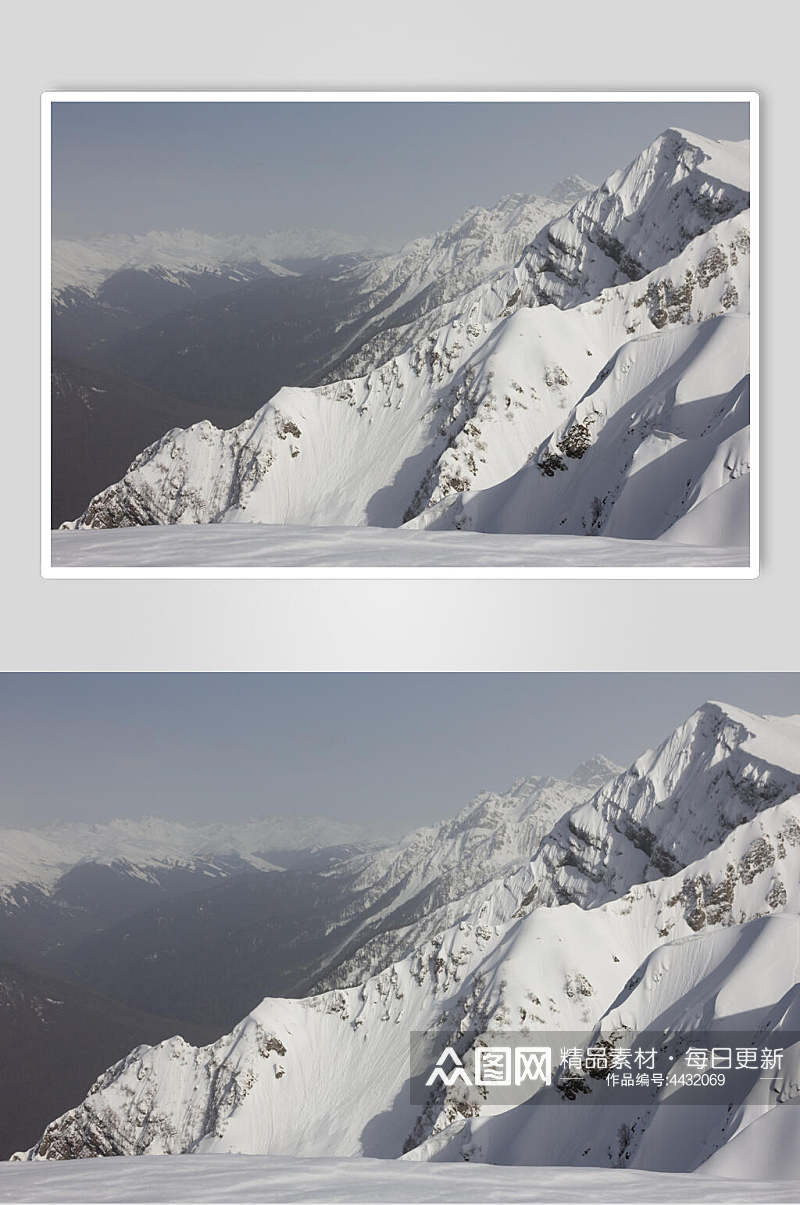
495	1066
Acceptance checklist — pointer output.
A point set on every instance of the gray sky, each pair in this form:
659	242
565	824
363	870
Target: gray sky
389	171
388	750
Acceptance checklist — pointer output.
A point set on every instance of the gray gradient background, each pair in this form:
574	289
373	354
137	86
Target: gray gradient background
397	625
389	751
387	171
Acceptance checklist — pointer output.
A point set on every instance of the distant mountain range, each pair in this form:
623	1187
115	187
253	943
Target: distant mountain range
178	256
36	860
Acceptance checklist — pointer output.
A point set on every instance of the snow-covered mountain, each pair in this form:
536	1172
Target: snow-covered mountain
208	327
639	219
81	266
657	446
733	985
719	769
37	859
570	189
137	911
42	1017
412	890
489	835
600	385
682	883
411	286
651	820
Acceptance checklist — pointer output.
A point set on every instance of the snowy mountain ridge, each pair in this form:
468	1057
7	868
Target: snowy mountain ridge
640	218
644	822
704	939
529	374
187	314
502	826
411	890
716	772
427	273
137	910
482	240
570	189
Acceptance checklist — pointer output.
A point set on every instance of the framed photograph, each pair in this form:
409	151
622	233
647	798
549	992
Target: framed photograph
538	941
409	334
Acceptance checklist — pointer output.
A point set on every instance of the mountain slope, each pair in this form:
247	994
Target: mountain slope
640	218
733	986
161	298
663	428
717	769
510	378
99	422
433	876
148	907
54	1039
461	412
217	322
429	272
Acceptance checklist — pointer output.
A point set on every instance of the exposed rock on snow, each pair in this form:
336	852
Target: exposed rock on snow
663	428
736	984
717	770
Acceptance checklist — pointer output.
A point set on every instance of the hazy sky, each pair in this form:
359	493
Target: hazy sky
388	750
390	171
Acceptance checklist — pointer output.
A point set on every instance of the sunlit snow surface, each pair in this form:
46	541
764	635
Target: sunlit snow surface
258	545
254	1178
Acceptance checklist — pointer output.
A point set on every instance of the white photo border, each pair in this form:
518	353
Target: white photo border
48	570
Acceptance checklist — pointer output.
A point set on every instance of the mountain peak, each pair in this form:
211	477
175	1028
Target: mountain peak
570	189
767	737
723	161
594	771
